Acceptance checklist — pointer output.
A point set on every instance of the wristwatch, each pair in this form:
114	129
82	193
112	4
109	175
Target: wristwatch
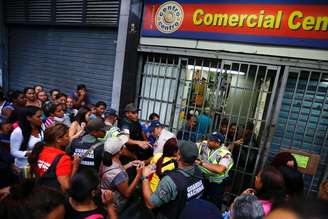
144	178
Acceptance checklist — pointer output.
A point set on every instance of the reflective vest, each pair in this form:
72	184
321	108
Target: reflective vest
211	156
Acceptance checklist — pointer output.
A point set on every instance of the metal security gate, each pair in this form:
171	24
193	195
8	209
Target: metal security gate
303	120
227	96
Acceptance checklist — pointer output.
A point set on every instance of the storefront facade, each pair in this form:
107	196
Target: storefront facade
263	66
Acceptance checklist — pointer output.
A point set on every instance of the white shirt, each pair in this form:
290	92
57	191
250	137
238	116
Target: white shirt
160	141
16	139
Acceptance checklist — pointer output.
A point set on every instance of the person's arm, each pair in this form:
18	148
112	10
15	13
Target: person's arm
216	168
165	192
125	189
16	139
107	199
65	179
142	144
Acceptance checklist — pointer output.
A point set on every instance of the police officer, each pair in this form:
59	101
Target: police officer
215	161
177	187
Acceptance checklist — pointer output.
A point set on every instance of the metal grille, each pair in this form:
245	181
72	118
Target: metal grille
303	119
73	12
219	95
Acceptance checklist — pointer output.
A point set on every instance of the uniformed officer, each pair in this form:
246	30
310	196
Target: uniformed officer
215	161
177	187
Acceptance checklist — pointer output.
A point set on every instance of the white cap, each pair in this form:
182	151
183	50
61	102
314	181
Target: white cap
114	145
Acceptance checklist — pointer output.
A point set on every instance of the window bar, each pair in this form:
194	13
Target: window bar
151	85
164	82
157	81
320	116
310	113
290	108
144	85
216	102
299	113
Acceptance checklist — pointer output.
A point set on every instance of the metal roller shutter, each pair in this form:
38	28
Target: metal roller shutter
59	57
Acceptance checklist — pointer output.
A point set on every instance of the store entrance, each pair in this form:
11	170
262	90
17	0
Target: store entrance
232	97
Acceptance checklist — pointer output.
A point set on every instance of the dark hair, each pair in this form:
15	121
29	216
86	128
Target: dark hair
107	159
224	122
232	124
83	183
81	87
38	85
28	88
169	150
101	103
2	95
249	125
51	134
25	125
282	158
61	95
54	90
293	181
52	108
273	186
43	201
153	116
80	116
14	95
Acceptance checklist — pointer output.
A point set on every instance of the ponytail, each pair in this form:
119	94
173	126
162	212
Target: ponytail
34	156
159	166
107	159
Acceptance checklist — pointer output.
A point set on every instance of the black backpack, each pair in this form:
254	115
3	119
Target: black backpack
49	178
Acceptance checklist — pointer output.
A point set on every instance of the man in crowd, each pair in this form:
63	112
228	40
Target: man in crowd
80	146
100	109
215	161
137	144
80	96
161	135
177	187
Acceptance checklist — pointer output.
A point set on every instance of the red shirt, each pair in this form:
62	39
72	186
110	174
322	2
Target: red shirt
47	156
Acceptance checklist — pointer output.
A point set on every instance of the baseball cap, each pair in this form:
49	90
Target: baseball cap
216	137
114	145
188	151
110	112
154	124
199	208
131	108
96	124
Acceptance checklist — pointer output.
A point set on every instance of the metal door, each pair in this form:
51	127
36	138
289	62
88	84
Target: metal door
225	92
302	122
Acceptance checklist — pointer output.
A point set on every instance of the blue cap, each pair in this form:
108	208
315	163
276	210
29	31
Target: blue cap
216	137
110	112
154	124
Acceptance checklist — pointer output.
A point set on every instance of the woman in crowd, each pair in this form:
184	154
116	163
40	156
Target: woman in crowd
81	204
55	115
284	159
164	162
269	188
31	98
113	174
26	135
79	123
37	89
42	97
15	110
70	112
50	163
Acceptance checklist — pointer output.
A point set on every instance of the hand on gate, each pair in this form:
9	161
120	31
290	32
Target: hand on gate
249	191
144	144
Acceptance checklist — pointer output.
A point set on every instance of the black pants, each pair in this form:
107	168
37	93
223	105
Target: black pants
214	192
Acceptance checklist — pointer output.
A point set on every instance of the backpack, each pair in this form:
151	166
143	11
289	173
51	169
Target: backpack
49	178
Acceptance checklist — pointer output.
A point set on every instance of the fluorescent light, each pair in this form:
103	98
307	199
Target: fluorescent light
203	68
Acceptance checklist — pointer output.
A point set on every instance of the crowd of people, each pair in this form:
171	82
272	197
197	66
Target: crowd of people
65	156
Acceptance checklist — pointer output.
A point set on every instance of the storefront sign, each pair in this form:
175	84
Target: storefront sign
277	22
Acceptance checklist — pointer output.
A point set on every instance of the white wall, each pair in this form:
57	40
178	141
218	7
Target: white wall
292	52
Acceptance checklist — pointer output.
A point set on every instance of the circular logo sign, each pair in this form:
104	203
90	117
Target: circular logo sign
169	17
